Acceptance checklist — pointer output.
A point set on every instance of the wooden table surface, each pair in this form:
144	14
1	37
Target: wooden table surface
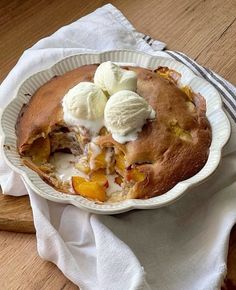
204	29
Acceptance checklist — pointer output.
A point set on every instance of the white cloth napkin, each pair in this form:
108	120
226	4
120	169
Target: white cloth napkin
182	246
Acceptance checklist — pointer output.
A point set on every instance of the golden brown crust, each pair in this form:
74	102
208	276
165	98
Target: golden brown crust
44	110
172	148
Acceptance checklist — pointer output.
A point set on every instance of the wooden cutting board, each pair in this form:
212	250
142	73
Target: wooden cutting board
16	214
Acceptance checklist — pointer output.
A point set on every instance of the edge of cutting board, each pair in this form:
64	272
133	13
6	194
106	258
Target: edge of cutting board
16	214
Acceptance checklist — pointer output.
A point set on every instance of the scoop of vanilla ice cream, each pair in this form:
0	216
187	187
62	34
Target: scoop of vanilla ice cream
125	114
85	101
84	105
112	78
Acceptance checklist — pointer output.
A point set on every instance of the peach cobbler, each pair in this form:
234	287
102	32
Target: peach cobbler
109	133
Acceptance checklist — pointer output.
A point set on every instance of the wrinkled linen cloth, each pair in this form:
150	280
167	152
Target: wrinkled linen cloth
180	246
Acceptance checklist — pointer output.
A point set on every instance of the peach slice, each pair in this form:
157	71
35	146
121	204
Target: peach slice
187	90
169	74
40	150
76	181
98	161
120	162
93	190
90	189
100	178
135	175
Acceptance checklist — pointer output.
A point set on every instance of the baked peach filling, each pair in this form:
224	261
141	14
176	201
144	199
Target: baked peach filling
169	74
40	150
120	163
99	164
89	189
98	173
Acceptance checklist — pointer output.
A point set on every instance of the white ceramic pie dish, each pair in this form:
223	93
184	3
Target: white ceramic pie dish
219	123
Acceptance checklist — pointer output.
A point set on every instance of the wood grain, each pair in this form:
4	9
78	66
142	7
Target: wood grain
16	214
203	29
21	267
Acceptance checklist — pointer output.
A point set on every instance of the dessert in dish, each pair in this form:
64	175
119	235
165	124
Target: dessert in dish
109	133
